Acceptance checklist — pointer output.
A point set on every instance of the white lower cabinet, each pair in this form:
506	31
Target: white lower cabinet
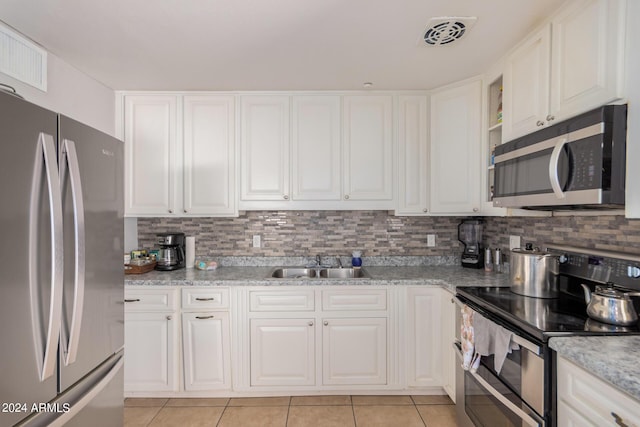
322	338
206	351
424	357
585	400
282	352
354	351
150	340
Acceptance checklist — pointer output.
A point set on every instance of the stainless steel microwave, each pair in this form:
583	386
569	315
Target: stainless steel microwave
576	164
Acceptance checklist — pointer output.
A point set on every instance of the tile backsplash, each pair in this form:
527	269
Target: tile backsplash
378	233
303	233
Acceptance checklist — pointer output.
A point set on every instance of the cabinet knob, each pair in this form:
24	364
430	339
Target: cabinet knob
476	209
285	197
425	210
325	323
185	211
346	197
550	118
539	123
169	317
170	210
310	323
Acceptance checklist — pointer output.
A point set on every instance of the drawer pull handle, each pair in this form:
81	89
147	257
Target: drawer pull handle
619	421
132	300
204	317
205	299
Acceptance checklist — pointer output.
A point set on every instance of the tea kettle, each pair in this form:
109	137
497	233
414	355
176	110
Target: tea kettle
609	305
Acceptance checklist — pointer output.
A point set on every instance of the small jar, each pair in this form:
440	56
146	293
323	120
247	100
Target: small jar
356	261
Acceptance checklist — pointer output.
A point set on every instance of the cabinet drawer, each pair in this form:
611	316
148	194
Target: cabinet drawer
294	300
594	399
369	299
149	300
202	298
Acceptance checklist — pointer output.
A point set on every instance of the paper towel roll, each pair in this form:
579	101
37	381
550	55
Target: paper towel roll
190	249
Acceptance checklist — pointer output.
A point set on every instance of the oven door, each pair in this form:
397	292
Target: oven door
486	400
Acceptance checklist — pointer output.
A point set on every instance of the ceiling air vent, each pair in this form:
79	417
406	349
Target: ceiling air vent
447	29
22	59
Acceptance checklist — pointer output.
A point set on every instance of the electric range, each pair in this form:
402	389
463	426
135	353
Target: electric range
524	391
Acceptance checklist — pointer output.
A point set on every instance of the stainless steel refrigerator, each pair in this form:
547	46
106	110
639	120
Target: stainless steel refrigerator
61	276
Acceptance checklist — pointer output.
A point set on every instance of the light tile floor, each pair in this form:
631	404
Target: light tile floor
296	411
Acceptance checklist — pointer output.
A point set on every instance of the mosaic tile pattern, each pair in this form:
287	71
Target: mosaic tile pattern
304	233
379	234
606	232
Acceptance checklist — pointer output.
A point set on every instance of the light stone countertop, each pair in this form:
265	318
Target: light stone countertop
445	276
613	359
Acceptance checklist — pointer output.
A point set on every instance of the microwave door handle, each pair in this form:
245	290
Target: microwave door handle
495	393
553	168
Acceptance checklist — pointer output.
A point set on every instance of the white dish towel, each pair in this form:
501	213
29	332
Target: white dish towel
491	338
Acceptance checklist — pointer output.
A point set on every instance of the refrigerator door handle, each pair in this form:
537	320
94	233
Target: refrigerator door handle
46	159
69	162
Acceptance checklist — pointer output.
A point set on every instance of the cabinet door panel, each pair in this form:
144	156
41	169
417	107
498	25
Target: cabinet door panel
455	149
150	150
150	363
424	337
265	148
315	164
526	86
354	351
209	155
587	58
282	352
413	197
368	148
207	354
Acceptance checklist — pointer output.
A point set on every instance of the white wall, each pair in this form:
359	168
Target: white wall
71	93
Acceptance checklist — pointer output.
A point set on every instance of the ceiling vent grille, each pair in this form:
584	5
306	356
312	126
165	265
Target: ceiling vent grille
22	59
447	29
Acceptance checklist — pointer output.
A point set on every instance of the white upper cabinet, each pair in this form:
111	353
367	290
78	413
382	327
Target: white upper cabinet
264	147
455	149
368	148
587	56
568	67
315	148
526	86
150	135
209	155
413	155
179	155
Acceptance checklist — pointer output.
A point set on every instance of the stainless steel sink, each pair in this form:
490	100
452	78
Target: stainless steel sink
293	273
321	272
342	273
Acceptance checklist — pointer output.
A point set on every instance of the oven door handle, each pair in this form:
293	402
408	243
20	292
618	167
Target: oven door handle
515	338
526	418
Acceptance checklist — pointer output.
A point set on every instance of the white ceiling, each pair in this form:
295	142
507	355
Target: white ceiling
271	44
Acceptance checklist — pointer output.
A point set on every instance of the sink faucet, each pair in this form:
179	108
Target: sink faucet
339	261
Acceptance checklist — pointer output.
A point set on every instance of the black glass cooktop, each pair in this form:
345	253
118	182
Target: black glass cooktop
541	318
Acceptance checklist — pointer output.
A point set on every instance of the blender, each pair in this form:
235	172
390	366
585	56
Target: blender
470	234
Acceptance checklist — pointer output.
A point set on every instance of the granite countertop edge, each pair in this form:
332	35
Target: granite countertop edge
610	358
448	277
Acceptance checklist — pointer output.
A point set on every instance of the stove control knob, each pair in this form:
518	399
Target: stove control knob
633	272
563	259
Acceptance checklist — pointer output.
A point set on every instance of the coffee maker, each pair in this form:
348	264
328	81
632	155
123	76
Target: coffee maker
171	252
470	234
